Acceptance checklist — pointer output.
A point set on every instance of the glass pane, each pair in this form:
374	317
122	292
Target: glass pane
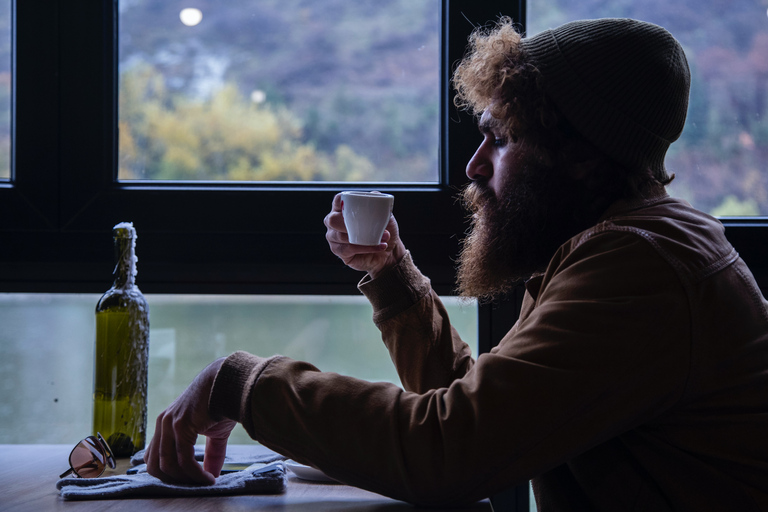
531	499
279	90
5	89
46	350
721	160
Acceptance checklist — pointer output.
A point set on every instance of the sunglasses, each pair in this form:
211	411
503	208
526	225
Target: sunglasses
90	457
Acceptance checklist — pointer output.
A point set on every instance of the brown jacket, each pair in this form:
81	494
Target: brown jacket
635	379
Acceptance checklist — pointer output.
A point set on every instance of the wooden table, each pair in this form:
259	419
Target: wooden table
28	476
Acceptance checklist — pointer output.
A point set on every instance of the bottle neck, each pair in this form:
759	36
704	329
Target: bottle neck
125	258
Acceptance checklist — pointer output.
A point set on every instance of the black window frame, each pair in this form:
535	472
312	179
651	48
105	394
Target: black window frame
57	212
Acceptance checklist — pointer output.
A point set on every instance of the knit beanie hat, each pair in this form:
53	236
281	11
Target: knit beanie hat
623	84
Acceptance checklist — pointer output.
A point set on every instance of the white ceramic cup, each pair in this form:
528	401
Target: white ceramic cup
366	215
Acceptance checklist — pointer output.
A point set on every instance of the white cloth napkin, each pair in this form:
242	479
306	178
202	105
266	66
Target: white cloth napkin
237	454
259	478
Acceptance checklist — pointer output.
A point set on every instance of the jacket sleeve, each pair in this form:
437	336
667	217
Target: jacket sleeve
582	367
426	350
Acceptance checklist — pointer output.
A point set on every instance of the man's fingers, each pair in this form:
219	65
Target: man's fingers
342	238
149	460
166	446
336	204
172	449
335	221
336	236
189	470
347	251
152	453
215	453
172	455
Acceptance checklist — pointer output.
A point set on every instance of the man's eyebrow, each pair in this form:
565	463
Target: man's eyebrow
489	124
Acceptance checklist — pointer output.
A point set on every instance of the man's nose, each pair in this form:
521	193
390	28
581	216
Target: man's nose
479	166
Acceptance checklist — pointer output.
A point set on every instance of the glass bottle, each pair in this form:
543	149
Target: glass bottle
122	353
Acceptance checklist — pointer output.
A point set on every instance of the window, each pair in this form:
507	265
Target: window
64	195
279	90
235	243
196	236
46	392
721	160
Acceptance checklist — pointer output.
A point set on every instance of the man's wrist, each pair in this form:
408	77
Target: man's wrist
233	379
396	289
397	253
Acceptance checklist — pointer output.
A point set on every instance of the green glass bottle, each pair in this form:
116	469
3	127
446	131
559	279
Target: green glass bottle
122	354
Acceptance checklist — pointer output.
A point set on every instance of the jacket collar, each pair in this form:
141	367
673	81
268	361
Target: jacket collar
533	284
634	203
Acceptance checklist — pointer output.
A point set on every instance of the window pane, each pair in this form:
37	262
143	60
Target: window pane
279	90
5	89
46	349
721	160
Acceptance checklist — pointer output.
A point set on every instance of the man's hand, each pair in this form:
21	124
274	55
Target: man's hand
371	259
170	455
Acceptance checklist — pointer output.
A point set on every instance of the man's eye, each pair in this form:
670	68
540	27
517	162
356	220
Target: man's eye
500	142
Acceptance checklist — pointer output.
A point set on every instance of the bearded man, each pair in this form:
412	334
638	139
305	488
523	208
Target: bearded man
635	377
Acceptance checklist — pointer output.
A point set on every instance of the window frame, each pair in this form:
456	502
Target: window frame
57	212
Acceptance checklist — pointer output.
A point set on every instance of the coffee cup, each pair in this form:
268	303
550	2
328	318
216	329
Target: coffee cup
366	215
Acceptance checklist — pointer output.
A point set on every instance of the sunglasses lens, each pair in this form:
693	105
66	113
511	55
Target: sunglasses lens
110	456
88	459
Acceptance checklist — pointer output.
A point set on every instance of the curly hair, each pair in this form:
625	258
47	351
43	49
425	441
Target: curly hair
497	75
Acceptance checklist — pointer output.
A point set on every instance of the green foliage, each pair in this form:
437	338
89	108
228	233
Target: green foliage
360	79
170	136
733	207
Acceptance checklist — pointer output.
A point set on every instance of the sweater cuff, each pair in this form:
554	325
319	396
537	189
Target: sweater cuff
233	384
395	290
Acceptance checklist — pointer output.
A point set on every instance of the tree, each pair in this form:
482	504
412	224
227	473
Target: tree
169	136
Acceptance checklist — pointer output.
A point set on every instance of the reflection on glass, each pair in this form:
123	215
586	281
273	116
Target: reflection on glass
5	89
721	160
47	342
279	90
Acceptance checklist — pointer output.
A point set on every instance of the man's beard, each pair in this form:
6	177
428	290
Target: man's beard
514	237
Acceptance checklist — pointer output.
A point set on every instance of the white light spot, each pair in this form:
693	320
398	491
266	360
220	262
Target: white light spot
191	16
258	96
